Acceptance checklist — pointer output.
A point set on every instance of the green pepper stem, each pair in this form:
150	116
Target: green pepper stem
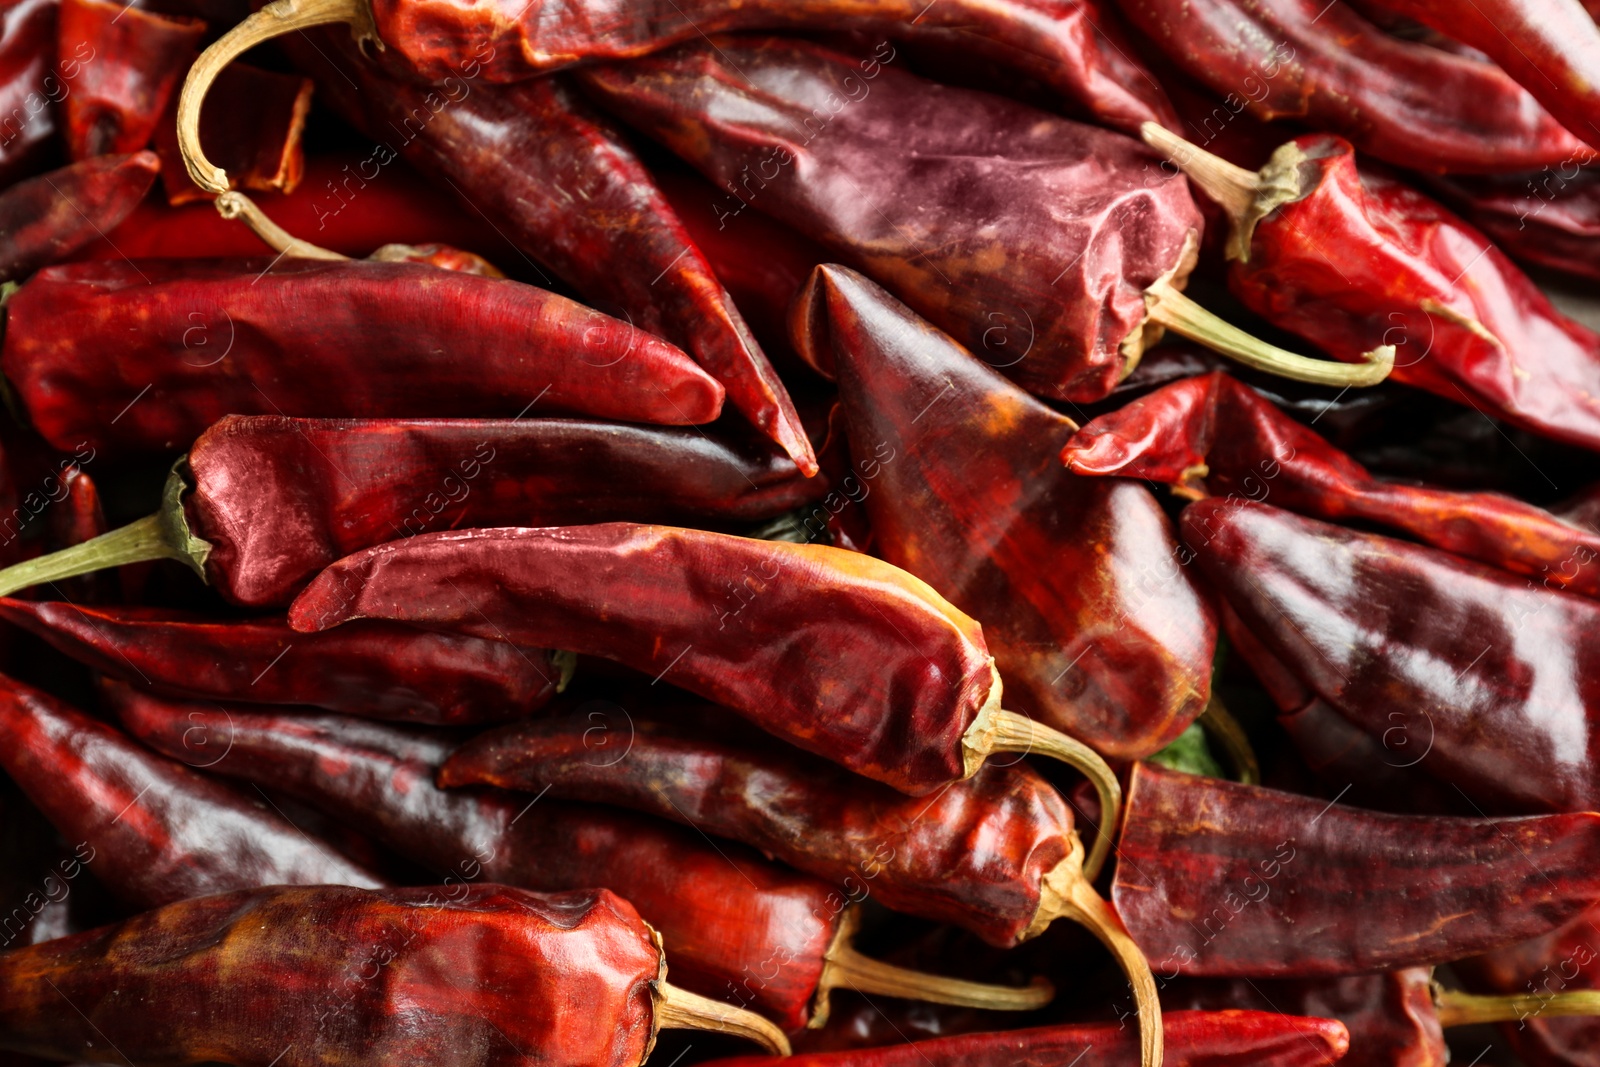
1219	723
1233	188
679	1009
1170	308
1456	1008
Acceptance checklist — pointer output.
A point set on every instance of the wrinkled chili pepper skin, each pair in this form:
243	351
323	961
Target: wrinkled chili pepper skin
30	85
116	101
148	364
279	499
1360	260
1094	625
328	976
1008	228
736	926
50	217
1220	879
1401	101
566	189
1213	435
1193	1038
1550	218
376	670
156	830
833	651
973	855
1492	675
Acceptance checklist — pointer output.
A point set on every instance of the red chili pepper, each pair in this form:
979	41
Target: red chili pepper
1486	677
1347	259
996	854
116	99
376	670
255	120
30	86
77	517
1093	623
1398	100
1221	879
1020	239
740	928
1215	436
48	218
1550	218
155	830
487	977
158	350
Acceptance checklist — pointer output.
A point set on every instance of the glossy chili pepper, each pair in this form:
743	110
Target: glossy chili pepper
1346	259
1549	218
1489	677
160	350
30	86
377	670
1093	623
1212	435
1398	100
156	831
738	927
252	128
116	101
996	854
1221	879
262	503
1017	239
487	976
839	653
78	517
48	218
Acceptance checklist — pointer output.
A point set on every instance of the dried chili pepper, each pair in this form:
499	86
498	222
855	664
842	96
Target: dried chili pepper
1486	675
1212	435
1401	101
378	670
117	100
1342	257
1093	623
485	977
738	927
32	81
1222	879
1019	239
262	503
79	516
1550	218
148	364
156	831
253	127
996	854
48	218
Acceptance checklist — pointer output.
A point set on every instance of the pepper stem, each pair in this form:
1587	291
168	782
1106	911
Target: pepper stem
164	535
274	20
1219	723
844	967
1170	308
1233	188
997	730
1456	1008
235	205
1066	894
679	1009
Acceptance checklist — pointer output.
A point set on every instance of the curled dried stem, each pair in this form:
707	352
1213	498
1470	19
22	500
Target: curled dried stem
235	205
679	1009
1220	725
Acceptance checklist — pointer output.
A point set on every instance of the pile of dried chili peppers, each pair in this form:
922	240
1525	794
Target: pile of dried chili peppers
650	533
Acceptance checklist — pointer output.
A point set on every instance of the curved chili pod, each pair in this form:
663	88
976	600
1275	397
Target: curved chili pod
48	218
1401	101
32	81
1212	435
1094	625
1550	218
1491	678
485	977
160	350
117	99
738	927
1217	878
376	670
158	831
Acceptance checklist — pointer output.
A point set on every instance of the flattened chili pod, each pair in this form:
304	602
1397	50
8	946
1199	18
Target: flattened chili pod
1212	435
1491	679
158	831
1094	625
1052	249
115	101
376	670
160	350
477	976
48	218
738	927
1221	879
